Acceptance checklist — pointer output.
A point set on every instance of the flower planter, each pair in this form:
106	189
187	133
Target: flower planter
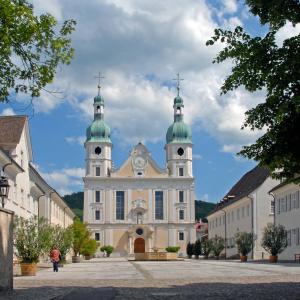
273	258
28	269
243	258
87	257
75	259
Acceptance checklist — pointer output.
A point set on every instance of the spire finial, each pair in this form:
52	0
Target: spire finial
178	79
99	81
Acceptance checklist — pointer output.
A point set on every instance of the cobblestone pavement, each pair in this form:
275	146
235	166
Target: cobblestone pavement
118	279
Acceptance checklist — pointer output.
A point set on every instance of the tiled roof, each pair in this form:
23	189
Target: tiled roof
245	186
11	128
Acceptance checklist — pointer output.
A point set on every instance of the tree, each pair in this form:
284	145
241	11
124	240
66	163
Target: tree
217	246
62	238
244	242
190	249
206	247
80	235
197	249
31	48
260	63
89	248
274	239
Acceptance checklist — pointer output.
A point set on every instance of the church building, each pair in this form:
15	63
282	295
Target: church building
139	207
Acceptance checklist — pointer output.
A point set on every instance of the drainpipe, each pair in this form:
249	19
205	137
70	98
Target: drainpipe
225	230
252	224
274	217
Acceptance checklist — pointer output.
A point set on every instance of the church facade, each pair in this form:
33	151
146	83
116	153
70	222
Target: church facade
140	207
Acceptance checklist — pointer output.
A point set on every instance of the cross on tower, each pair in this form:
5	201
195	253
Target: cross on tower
99	81
178	79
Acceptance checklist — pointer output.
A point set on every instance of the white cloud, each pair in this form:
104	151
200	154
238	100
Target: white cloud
75	139
197	157
140	46
285	32
7	112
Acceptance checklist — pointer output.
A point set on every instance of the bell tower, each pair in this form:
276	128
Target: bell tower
179	141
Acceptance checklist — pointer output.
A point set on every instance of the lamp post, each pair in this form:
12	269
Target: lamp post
4	189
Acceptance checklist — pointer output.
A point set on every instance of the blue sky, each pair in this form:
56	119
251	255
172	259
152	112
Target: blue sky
139	47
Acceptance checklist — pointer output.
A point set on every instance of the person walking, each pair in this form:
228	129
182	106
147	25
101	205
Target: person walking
55	258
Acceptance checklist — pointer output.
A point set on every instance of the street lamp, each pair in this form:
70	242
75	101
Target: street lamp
4	189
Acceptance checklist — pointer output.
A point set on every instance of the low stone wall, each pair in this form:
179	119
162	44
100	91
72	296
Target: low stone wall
6	249
156	256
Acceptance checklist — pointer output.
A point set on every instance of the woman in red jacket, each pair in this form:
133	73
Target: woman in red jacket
55	258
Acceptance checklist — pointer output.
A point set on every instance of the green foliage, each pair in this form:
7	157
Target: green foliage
259	63
31	48
190	249
75	202
62	238
244	242
197	248
206	247
173	249
80	235
217	245
108	249
274	239
203	208
33	238
89	247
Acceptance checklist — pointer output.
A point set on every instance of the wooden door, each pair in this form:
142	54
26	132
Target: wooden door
139	245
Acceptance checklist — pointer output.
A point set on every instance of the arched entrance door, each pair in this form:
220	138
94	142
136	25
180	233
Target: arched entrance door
139	245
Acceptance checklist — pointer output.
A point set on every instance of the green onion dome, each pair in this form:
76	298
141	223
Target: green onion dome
99	131
99	100
178	101
179	132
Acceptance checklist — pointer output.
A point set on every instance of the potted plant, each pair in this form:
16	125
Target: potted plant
274	240
206	248
189	249
217	246
62	239
108	249
33	238
172	252
80	235
197	249
244	243
89	248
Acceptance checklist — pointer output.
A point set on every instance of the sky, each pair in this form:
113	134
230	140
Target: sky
139	47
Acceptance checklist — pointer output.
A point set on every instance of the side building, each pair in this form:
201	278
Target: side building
287	213
246	207
29	194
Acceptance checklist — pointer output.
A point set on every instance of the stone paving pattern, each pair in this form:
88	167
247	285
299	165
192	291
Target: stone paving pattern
118	279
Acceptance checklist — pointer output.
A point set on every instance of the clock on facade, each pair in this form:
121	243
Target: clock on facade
139	162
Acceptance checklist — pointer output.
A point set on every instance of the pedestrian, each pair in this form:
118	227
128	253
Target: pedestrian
55	258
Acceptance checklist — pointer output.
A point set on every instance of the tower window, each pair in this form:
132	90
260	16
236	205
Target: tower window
98	150
97	215
97	236
97	171
180	171
98	109
180	151
181	214
181	196
97	196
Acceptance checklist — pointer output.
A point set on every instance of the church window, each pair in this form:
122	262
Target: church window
181	236
97	171
98	150
181	197
97	215
97	196
98	109
159	205
248	210
272	207
181	214
180	171
139	231
97	236
120	205
180	151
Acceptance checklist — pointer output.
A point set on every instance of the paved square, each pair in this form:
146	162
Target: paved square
117	278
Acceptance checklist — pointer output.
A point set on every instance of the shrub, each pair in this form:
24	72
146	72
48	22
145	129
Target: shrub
244	242
189	249
274	239
217	246
108	249
173	249
33	238
89	247
206	247
62	238
197	249
80	235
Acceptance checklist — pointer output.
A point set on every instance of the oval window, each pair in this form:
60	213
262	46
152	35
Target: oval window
180	151
98	150
139	231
